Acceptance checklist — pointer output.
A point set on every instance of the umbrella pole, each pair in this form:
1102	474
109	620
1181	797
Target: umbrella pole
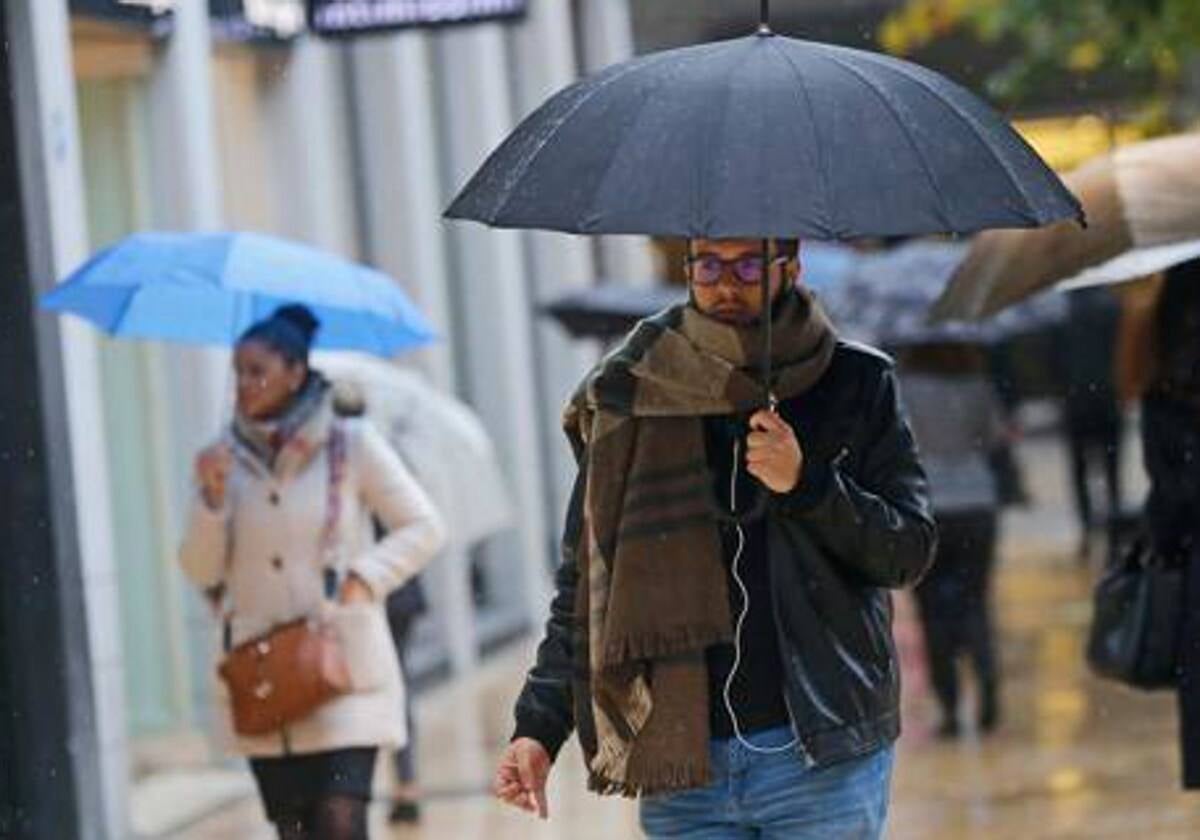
767	319
764	16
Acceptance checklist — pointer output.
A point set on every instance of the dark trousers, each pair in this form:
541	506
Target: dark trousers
1095	440
954	605
1171	448
405	758
1189	677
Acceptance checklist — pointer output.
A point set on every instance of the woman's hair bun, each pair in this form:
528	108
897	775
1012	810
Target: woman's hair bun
300	317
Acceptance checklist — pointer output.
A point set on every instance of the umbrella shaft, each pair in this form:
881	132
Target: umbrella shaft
766	319
764	13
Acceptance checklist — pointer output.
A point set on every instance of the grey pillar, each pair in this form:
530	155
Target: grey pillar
394	107
607	38
398	163
495	326
186	195
71	768
308	119
543	57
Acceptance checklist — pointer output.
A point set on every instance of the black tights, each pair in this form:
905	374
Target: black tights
329	818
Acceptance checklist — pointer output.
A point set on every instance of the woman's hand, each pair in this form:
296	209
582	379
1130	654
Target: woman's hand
213	466
355	591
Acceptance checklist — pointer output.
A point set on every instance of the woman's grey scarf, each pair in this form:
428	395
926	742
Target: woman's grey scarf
265	439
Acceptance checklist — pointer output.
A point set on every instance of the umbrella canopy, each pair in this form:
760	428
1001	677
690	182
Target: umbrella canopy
439	438
886	297
1143	209
764	136
208	288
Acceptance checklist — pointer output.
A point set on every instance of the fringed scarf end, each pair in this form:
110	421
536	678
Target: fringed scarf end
664	778
677	641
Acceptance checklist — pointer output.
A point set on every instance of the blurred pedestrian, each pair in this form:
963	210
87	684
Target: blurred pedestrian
280	532
957	420
405	605
720	637
1171	448
1010	478
1091	410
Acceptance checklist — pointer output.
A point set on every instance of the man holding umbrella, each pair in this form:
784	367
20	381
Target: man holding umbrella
748	489
720	636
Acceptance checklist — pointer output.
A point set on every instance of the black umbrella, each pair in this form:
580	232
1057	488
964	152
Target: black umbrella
764	136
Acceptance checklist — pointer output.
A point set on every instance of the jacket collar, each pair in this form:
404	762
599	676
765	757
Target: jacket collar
300	449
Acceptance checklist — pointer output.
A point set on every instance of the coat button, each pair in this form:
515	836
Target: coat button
277	562
274	497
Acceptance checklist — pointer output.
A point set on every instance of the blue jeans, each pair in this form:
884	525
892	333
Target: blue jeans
776	796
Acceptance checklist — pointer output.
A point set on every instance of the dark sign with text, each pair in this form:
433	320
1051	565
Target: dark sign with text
151	15
352	17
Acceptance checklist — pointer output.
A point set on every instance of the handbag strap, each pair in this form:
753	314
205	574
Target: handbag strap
337	475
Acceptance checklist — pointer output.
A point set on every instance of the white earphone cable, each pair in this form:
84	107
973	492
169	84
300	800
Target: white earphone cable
735	567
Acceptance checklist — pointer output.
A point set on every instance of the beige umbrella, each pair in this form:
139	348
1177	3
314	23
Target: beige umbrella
440	438
1143	210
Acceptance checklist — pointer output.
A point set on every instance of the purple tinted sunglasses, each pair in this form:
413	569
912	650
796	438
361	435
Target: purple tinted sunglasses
707	269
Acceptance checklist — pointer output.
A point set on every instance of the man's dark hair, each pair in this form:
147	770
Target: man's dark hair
789	248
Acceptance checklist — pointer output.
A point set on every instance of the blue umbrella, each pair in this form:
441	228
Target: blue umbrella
207	288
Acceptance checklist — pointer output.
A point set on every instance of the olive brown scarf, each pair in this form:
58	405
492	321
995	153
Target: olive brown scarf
652	591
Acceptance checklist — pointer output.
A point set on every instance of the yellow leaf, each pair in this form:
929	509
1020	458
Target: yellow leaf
1085	57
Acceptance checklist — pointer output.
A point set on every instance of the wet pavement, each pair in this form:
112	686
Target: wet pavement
1075	757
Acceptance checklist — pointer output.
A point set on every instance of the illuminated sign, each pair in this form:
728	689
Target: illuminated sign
352	17
256	20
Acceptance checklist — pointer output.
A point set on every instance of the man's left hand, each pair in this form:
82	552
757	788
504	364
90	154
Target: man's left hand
773	454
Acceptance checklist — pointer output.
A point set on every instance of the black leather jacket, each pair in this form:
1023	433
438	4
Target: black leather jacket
858	525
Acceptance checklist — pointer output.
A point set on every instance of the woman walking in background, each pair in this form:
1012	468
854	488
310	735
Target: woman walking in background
404	606
281	531
1167	362
956	420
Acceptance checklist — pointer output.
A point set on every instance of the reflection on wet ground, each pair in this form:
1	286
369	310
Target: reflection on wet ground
1074	758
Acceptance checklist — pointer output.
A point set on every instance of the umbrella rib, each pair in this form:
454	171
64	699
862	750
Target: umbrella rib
896	115
704	165
619	146
963	117
529	159
819	147
125	307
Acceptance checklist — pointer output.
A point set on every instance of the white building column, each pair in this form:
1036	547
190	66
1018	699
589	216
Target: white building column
394	113
495	323
394	117
186	195
311	151
543	54
192	386
39	38
606	28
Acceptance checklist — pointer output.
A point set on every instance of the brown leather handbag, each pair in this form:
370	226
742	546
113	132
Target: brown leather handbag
286	674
